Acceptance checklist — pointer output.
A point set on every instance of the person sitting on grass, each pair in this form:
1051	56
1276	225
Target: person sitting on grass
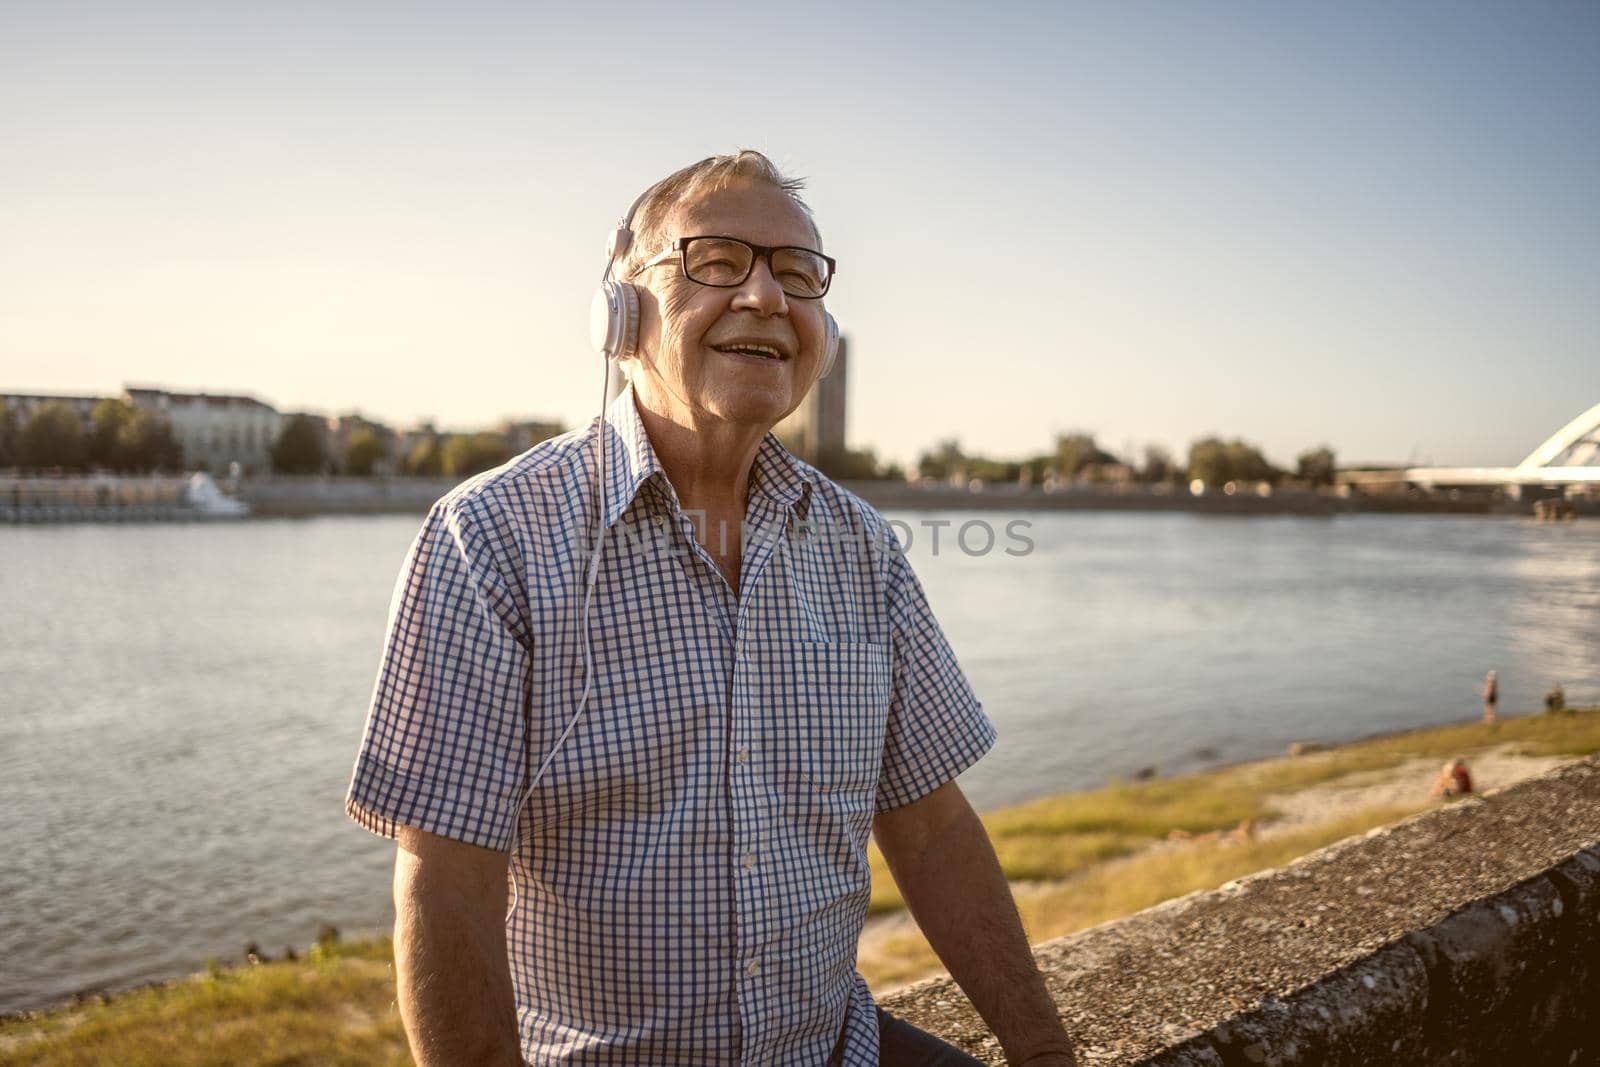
1454	780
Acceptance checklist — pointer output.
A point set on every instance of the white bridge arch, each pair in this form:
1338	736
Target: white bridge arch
1577	444
1570	457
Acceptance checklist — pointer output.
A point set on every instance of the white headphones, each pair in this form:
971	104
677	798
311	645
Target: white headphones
614	312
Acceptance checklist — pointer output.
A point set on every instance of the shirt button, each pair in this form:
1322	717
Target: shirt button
744	754
660	520
752	968
749	860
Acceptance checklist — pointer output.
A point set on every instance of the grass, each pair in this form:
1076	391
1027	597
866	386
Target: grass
1085	856
334	1008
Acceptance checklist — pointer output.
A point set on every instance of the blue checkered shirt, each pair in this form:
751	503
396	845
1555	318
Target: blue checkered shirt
692	868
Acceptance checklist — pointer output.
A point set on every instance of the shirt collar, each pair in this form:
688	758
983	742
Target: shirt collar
631	461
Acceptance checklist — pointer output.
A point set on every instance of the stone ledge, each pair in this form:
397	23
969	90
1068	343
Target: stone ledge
1469	934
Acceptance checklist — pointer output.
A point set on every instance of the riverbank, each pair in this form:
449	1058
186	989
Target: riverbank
1074	861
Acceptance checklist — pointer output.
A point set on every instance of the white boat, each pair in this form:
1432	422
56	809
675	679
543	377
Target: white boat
204	497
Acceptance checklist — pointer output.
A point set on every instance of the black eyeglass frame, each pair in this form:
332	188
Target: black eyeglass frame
681	245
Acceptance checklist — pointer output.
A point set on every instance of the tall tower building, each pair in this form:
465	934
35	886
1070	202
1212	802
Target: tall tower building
816	428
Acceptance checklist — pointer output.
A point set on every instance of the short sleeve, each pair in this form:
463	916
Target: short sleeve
443	749
936	728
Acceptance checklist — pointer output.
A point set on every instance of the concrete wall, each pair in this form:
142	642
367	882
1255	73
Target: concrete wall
282	496
1468	935
93	498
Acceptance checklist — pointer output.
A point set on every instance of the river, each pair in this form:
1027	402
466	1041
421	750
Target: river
181	703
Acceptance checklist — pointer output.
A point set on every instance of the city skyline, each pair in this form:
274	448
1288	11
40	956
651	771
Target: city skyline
1370	227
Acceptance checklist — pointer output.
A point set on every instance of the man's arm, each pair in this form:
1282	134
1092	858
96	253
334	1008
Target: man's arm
946	869
450	952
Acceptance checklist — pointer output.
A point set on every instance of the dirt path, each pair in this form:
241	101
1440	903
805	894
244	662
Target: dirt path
1401	786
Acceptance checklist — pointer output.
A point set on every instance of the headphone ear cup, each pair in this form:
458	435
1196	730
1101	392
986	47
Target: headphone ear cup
614	320
830	351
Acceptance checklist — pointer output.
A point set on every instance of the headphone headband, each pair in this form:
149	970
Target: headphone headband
621	238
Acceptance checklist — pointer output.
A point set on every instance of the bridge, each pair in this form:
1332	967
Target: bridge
1568	460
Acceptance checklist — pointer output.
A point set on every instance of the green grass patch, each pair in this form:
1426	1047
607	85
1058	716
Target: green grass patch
334	1008
1059	836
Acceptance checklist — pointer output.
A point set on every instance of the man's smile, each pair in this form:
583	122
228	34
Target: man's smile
763	351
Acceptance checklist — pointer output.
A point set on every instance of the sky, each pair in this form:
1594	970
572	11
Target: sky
1369	225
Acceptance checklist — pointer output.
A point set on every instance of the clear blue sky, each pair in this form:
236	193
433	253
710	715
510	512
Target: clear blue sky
1369	224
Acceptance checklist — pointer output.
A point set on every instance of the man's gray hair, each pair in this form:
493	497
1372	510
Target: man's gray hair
718	172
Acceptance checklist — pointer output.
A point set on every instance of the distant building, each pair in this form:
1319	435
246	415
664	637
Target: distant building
816	428
216	430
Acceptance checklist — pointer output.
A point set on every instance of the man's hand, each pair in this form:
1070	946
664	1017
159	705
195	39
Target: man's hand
940	856
450	965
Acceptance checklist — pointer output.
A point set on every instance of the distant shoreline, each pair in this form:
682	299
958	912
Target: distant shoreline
283	496
297	497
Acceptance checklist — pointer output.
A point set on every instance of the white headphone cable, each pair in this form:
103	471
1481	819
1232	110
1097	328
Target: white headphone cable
601	451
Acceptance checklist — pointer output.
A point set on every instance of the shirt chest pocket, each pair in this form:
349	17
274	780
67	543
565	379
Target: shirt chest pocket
832	703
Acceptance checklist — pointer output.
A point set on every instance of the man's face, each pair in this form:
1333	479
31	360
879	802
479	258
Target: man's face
688	367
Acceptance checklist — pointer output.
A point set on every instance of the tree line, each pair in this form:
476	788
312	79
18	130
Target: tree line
124	438
121	437
302	448
1077	457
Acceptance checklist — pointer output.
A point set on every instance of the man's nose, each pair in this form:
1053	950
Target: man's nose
760	292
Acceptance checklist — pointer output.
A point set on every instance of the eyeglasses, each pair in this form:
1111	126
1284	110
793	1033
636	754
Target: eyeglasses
725	262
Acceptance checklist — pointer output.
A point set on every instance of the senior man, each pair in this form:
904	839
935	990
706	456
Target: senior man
759	684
